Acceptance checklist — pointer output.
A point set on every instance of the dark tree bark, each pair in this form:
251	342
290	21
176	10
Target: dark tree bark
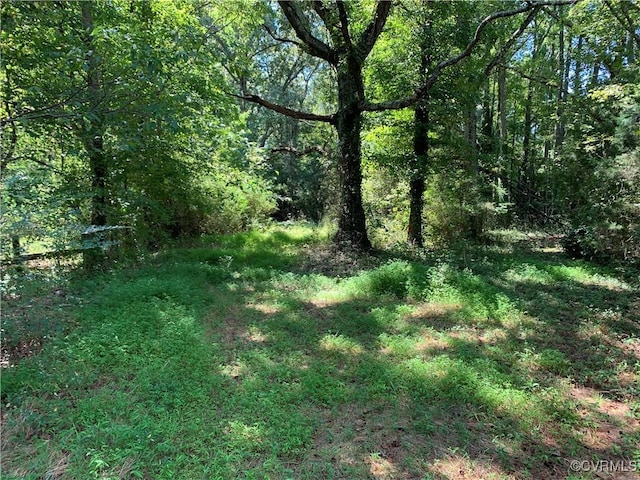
417	183
351	223
502	111
526	141
420	159
488	99
577	75
16	248
93	139
559	130
347	56
595	73
473	167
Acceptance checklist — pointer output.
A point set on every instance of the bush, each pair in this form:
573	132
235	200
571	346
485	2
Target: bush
579	243
452	210
605	200
226	201
237	200
386	204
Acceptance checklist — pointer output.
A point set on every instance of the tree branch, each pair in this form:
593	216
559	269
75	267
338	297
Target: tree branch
289	112
7	154
421	91
302	27
505	48
30	158
327	16
344	24
547	82
370	35
300	153
42	111
280	39
627	25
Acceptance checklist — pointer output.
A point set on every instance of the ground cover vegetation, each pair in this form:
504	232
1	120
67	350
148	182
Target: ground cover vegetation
269	355
462	300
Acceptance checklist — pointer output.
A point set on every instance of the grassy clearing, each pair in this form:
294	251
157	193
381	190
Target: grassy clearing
268	355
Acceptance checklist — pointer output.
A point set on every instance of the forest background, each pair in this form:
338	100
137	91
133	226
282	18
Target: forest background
427	122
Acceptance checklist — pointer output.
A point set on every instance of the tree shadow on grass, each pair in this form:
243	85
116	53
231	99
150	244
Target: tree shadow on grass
475	395
496	367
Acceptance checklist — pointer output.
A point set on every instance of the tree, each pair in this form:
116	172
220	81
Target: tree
347	56
127	111
346	49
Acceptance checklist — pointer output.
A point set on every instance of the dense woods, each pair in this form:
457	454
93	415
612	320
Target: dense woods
427	122
320	239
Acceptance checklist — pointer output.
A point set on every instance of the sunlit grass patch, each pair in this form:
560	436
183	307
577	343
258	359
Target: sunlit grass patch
528	273
456	465
340	343
241	355
381	467
587	276
266	308
548	359
426	342
433	310
245	437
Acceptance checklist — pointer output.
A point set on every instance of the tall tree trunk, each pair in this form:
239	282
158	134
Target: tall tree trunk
560	97
417	168
16	248
502	110
525	167
488	143
473	167
417	173
577	80
595	73
93	138
352	227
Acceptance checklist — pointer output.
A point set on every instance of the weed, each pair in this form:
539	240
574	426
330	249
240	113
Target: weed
266	355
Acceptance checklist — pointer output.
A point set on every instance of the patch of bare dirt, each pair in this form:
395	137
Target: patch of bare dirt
372	441
608	419
333	262
460	467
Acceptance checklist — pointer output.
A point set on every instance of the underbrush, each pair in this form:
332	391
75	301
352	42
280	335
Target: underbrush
270	355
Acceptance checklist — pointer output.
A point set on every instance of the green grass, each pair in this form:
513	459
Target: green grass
269	355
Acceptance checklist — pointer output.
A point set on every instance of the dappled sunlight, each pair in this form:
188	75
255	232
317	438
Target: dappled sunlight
370	441
405	370
457	466
613	417
235	370
433	310
340	343
245	436
327	298
253	334
381	467
584	276
525	272
489	336
426	342
265	308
